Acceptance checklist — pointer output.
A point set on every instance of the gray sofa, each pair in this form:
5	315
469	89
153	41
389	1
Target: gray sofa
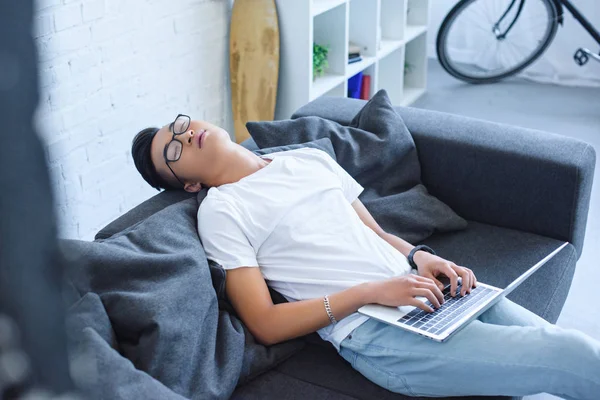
522	191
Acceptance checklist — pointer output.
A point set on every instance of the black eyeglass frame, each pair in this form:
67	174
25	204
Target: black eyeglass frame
174	139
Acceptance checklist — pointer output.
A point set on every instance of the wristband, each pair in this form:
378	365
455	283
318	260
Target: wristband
411	262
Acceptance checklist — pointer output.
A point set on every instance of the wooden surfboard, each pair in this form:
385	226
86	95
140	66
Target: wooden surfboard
253	62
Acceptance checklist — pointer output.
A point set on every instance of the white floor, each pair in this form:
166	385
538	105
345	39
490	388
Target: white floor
568	111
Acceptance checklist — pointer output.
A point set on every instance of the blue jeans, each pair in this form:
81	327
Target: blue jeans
508	351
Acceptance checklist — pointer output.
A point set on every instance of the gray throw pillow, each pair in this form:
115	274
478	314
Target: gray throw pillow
379	152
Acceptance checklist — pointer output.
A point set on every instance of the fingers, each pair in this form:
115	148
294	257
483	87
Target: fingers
431	277
474	279
438	284
421	278
449	272
417	303
430	284
468	279
423	292
435	290
471	279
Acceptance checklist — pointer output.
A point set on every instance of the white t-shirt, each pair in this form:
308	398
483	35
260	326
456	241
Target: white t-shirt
293	218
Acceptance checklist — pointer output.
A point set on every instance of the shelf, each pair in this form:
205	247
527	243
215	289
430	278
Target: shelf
362	25
417	12
321	6
412	31
392	36
415	74
325	83
391	75
410	95
388	46
340	90
329	29
392	19
356	67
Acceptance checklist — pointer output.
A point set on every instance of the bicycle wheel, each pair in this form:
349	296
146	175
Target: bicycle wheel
487	40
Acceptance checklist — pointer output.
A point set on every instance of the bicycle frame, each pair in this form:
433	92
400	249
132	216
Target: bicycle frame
579	17
559	8
497	30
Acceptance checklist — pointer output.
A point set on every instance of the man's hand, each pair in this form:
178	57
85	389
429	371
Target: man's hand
431	266
403	290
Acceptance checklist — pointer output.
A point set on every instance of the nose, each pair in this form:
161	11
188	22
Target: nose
190	135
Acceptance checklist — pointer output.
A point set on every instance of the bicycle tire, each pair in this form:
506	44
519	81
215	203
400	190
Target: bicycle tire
447	64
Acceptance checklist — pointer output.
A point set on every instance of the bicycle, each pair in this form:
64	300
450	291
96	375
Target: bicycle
512	37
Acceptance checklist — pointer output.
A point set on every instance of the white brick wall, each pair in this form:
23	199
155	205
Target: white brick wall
109	68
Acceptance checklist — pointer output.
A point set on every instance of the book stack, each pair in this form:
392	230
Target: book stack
359	86
353	53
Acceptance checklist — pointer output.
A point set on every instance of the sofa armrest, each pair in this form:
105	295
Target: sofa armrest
494	173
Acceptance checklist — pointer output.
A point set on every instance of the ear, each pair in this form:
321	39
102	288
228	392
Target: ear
193	187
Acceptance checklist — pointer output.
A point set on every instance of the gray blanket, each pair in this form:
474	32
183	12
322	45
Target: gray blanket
150	323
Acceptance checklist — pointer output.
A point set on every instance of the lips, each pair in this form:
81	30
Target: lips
198	138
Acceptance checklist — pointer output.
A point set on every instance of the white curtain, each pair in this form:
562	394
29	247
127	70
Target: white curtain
556	65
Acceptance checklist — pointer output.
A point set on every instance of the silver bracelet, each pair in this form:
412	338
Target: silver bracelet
328	309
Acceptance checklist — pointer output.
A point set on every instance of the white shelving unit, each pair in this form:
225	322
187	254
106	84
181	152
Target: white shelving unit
392	34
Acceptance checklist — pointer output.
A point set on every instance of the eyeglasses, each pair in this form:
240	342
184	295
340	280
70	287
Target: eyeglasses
174	148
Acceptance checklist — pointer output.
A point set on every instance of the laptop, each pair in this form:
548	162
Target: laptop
454	314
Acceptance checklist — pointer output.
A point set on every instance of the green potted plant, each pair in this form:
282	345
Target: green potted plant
319	60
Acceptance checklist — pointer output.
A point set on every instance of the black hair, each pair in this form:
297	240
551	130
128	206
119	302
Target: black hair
142	158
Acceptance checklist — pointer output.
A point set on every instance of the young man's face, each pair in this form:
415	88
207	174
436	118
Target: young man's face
203	148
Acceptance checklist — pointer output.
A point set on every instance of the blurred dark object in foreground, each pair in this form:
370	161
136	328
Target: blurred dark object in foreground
32	339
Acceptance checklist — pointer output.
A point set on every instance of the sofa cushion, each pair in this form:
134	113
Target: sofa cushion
279	386
319	373
379	152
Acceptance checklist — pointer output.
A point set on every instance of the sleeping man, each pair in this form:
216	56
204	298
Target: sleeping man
292	220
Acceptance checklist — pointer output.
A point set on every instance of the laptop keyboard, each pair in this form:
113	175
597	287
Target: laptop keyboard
451	311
